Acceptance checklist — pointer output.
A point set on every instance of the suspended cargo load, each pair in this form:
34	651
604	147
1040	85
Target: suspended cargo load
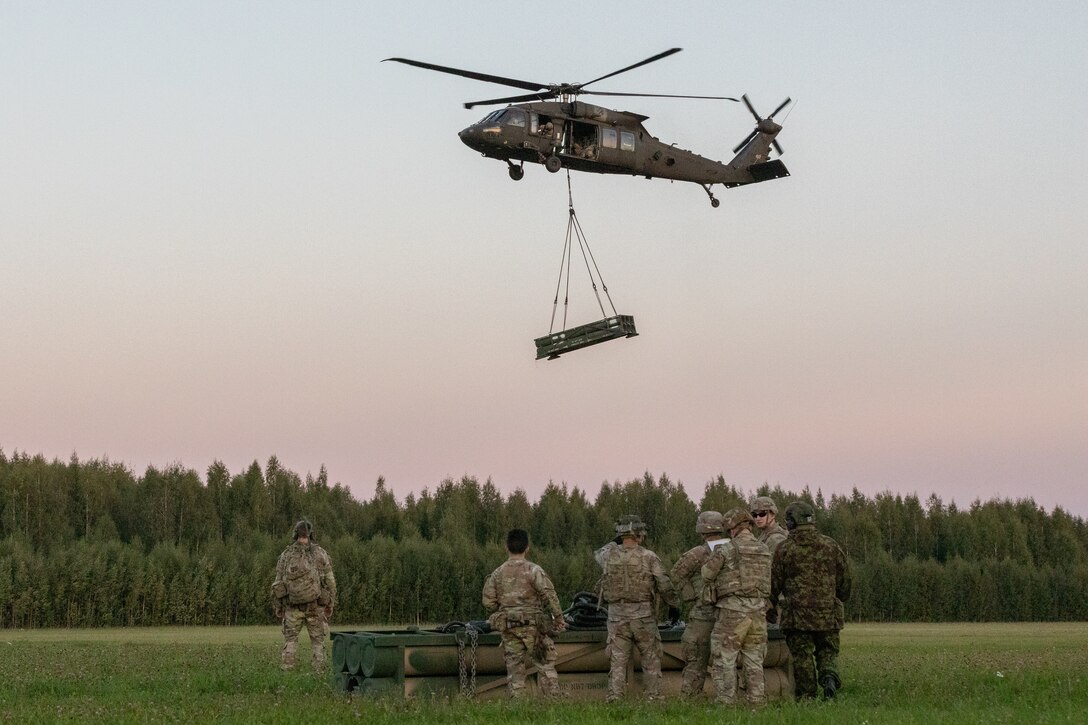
467	662
553	345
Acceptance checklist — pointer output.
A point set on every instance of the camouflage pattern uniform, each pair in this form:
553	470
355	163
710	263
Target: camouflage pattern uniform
686	576
811	574
312	615
738	577
515	595
773	536
632	576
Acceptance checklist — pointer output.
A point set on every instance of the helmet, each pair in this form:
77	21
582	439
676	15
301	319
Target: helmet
736	517
764	503
629	524
709	522
800	512
304	528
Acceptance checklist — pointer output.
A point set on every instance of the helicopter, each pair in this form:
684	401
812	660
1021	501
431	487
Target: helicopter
550	126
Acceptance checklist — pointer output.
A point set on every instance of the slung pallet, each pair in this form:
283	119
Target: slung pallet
610	328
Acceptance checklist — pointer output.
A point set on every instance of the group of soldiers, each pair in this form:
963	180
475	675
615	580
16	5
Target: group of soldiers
748	572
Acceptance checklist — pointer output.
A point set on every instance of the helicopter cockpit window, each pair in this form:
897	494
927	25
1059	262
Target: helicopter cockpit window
608	138
513	117
492	117
627	141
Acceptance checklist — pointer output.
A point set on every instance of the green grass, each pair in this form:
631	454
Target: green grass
893	673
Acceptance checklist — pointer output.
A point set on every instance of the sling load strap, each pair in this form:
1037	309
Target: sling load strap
574	230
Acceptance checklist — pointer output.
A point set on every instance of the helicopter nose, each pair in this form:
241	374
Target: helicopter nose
469	137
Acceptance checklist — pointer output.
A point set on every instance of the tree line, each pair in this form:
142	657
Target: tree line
90	543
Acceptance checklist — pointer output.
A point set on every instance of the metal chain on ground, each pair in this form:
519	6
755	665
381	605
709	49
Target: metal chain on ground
473	639
466	671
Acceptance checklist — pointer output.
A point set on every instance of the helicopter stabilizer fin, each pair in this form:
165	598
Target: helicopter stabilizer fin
768	170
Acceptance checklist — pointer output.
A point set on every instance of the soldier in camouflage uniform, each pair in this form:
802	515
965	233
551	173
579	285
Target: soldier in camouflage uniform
304	594
517	595
737	576
770	532
811	574
686	576
632	576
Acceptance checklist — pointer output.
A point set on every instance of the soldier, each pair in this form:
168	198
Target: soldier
304	593
687	577
737	575
765	513
632	576
516	595
811	574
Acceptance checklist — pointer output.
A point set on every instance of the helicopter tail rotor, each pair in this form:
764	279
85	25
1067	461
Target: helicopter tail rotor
765	125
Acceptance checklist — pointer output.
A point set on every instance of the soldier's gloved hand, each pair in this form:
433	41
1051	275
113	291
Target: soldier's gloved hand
279	614
560	624
772	615
674	615
328	612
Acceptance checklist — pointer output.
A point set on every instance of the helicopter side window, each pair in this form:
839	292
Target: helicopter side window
627	141
608	138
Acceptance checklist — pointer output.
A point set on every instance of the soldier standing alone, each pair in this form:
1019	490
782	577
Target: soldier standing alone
516	595
811	574
686	576
632	576
738	576
304	594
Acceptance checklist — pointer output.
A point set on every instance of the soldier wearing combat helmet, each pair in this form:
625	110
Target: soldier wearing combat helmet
631	579
769	531
686	576
811	574
737	578
304	594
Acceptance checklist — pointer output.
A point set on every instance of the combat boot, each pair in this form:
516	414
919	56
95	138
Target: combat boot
831	685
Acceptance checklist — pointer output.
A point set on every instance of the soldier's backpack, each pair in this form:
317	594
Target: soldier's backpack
302	579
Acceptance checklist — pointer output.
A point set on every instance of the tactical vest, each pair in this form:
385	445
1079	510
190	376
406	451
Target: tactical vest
627	577
747	570
301	577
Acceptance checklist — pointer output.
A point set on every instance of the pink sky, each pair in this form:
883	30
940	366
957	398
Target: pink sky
227	235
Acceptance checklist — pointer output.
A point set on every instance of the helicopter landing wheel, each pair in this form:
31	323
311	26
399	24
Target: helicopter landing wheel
715	203
553	164
516	172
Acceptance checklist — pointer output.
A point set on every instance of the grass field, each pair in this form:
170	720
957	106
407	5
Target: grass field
948	673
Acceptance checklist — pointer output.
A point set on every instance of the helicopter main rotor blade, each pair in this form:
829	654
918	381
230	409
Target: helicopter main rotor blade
659	56
542	96
527	85
658	95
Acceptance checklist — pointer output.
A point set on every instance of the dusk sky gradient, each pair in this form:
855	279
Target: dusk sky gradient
228	231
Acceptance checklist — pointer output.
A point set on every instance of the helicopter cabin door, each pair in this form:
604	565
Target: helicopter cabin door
581	140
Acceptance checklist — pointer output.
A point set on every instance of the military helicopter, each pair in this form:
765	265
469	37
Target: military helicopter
568	133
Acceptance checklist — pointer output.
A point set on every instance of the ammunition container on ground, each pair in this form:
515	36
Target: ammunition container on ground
425	663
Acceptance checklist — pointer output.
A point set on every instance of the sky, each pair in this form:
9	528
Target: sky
228	231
